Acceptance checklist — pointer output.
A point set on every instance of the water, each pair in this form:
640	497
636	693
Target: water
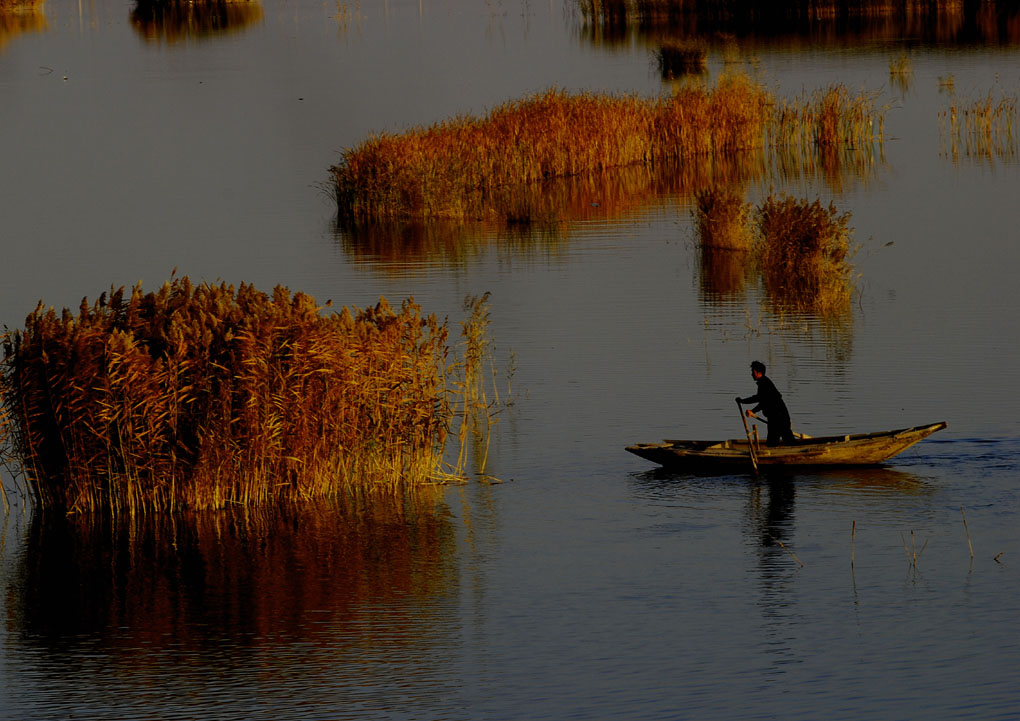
588	584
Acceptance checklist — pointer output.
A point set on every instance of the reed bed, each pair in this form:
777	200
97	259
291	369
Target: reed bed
200	396
474	168
803	250
980	129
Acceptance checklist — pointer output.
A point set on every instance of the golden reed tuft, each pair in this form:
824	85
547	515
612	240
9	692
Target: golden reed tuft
803	250
198	397
472	168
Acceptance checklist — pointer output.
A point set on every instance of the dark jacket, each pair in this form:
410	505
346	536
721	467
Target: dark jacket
770	402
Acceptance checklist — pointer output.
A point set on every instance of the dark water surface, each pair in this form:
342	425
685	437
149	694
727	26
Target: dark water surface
588	584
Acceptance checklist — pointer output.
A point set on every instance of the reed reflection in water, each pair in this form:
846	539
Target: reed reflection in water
797	24
17	18
358	579
543	217
173	21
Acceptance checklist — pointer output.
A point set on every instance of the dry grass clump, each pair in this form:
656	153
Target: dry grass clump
982	129
677	58
804	251
471	169
721	219
202	396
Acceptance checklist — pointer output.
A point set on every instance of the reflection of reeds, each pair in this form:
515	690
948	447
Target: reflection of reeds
791	22
202	397
20	17
175	21
980	129
677	58
803	250
471	168
257	574
901	72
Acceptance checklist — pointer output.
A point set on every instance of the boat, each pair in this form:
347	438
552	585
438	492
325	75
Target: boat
859	449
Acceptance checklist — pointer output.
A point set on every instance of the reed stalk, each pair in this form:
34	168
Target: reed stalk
853	536
970	546
792	554
200	396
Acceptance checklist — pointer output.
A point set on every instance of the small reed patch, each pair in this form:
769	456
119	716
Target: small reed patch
982	129
803	250
200	396
722	219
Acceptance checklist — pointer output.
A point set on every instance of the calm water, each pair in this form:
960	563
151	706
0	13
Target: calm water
588	584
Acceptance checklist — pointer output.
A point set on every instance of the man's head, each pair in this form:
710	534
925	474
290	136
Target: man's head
757	369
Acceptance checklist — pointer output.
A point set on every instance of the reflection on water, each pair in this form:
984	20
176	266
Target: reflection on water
723	273
169	21
801	25
295	573
16	18
552	206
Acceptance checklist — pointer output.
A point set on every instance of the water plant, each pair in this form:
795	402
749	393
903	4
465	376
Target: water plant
980	129
203	396
803	250
474	168
721	218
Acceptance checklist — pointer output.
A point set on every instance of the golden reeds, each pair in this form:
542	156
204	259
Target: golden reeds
722	219
803	250
203	396
475	168
979	129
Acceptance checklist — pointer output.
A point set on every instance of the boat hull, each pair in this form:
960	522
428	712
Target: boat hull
860	449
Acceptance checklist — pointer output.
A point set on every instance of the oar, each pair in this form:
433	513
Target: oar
750	443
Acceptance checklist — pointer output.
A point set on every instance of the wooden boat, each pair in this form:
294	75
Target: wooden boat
847	450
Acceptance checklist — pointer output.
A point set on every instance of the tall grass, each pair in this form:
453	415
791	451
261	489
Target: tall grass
721	219
200	396
474	168
983	129
804	251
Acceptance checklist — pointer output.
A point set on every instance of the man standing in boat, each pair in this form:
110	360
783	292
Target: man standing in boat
770	402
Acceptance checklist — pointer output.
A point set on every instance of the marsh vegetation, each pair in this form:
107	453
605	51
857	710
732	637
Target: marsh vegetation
203	396
470	169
